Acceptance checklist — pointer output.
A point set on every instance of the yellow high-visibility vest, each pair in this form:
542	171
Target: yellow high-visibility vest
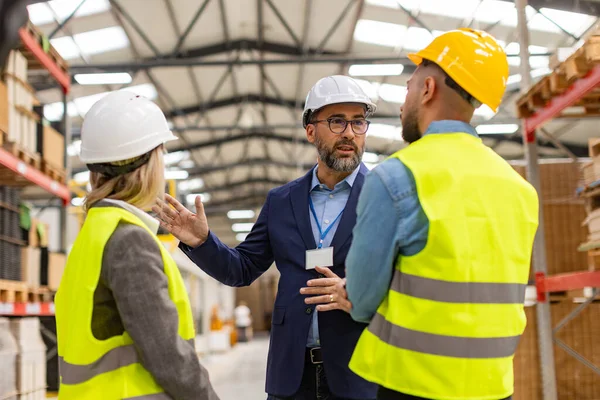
92	369
451	321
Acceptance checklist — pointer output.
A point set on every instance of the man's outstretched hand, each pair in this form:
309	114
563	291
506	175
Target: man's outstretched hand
189	228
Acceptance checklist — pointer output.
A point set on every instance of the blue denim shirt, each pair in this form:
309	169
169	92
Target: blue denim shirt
329	204
390	222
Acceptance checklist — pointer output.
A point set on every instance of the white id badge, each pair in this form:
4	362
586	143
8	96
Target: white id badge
319	258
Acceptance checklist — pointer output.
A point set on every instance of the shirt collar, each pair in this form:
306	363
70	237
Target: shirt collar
150	222
451	126
349	179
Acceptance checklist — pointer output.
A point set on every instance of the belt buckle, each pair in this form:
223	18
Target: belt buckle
312	356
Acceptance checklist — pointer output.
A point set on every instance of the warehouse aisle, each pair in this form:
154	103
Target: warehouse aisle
242	370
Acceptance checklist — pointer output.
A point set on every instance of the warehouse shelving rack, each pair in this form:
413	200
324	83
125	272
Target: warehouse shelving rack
539	104
17	172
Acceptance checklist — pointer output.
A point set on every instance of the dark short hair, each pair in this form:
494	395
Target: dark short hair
451	83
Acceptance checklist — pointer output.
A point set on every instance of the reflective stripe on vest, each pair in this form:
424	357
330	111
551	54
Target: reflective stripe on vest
157	396
458	292
449	346
116	358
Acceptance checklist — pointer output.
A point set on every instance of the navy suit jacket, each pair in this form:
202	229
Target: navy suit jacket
282	233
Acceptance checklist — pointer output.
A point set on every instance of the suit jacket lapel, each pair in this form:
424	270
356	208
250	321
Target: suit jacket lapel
299	198
344	229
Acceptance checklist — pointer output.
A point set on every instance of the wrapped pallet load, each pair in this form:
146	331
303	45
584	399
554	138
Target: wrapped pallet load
8	362
31	360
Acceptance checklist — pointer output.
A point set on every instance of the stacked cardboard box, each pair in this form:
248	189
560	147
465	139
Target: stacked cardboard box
22	120
51	145
31	359
8	362
591	191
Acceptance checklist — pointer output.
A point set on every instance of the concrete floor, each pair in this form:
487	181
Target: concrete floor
240	373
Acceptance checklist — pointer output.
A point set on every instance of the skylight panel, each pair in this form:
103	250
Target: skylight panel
464	8
418	38
42	13
380	33
575	23
66	47
408	4
491	11
91	42
102	40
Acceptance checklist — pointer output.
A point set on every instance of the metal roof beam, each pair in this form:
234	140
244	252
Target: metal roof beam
237	184
200	62
591	7
195	172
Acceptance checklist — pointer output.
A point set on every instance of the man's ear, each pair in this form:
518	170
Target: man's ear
310	133
428	91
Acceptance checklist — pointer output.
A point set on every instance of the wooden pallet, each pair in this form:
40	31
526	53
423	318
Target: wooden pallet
29	158
56	173
573	68
42	40
39	295
13	291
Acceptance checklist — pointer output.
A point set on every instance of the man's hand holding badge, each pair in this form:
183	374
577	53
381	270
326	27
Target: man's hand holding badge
329	292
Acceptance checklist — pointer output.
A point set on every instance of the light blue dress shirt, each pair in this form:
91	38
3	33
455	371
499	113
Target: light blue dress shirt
388	210
328	205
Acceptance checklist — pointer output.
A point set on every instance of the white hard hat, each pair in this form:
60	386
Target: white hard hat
335	89
120	126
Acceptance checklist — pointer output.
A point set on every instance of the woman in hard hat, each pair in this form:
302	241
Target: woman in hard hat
124	321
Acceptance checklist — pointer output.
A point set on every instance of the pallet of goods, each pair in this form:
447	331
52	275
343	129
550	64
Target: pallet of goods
23	132
43	42
565	71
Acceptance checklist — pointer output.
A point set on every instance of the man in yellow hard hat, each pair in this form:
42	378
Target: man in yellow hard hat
441	250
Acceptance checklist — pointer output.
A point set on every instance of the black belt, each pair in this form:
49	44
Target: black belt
314	355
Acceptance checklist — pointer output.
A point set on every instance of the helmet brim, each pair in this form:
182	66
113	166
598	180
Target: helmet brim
415	58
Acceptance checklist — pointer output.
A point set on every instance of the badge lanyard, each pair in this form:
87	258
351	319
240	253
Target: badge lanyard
314	214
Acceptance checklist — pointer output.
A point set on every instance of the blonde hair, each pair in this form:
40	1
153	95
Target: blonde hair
139	188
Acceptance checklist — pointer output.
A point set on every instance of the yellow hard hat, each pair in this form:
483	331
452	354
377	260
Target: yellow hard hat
473	59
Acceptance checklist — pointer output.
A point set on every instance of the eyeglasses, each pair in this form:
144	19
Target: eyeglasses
338	125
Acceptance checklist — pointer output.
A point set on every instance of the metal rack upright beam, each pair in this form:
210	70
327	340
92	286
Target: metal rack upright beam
544	322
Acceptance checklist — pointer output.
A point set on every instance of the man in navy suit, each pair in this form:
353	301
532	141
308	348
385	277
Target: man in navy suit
305	227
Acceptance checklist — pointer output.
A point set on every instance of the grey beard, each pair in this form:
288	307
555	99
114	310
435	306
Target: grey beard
338	164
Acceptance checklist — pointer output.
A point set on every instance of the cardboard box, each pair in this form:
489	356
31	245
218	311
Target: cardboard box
593	222
20	66
14	124
3	109
56	268
23	135
51	145
34	240
30	266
